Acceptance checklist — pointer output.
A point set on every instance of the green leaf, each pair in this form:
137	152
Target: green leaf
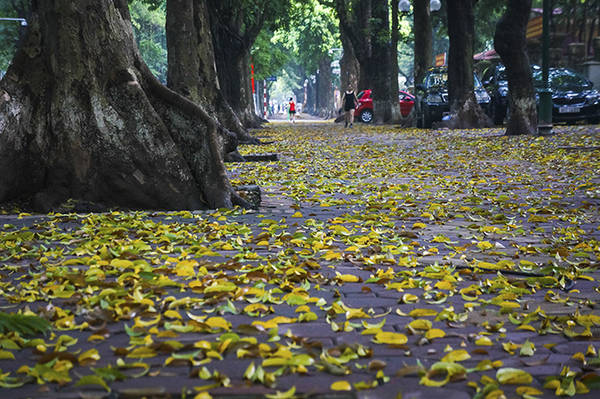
92	380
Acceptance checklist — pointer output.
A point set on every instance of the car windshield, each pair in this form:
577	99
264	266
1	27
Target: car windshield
561	79
439	79
502	75
360	95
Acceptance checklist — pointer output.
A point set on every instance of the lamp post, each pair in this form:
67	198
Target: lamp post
545	111
23	21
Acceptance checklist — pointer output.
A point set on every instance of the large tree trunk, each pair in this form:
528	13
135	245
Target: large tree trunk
82	117
349	66
325	108
394	69
366	25
192	71
461	31
423	39
511	44
232	55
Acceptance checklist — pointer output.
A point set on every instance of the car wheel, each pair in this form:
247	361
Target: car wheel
426	122
498	114
366	116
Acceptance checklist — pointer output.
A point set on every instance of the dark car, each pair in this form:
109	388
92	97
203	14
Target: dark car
496	84
573	98
364	110
432	98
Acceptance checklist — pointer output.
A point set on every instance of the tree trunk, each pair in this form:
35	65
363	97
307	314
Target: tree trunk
325	107
394	69
82	117
192	71
423	39
366	25
461	31
232	55
350	68
511	44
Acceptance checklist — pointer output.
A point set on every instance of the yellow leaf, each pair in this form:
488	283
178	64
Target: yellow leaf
435	333
347	278
419	225
142	352
218	322
444	285
121	263
423	313
297	215
484	245
267	325
341	386
185	268
172	314
484	341
392	338
203	395
410	298
282	395
331	255
509	375
6	355
452	371
457	355
420	324
524	390
89	356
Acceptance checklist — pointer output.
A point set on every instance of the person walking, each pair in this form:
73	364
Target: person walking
350	103
292	110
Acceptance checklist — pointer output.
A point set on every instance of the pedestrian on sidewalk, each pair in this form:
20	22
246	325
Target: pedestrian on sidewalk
292	110
350	103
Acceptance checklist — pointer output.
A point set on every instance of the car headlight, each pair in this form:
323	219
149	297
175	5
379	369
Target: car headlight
434	98
482	97
592	98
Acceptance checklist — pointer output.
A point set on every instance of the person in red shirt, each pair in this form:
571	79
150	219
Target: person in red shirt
292	110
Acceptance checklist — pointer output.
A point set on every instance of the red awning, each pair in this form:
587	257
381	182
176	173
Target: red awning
486	55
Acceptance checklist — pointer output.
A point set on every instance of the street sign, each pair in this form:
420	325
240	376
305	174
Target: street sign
440	60
272	79
534	28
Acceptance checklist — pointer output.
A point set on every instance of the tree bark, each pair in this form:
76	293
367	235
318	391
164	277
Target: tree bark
232	40
366	25
325	108
461	31
350	68
82	117
394	69
511	44
423	39
192	71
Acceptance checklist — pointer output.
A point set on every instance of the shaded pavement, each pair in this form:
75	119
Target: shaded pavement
382	261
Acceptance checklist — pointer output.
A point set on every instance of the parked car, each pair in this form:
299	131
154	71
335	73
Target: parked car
364	110
432	97
495	82
573	96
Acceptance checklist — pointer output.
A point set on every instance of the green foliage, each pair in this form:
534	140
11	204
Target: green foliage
148	20
24	325
269	57
10	31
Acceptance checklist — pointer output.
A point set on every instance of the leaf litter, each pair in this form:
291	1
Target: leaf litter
462	259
